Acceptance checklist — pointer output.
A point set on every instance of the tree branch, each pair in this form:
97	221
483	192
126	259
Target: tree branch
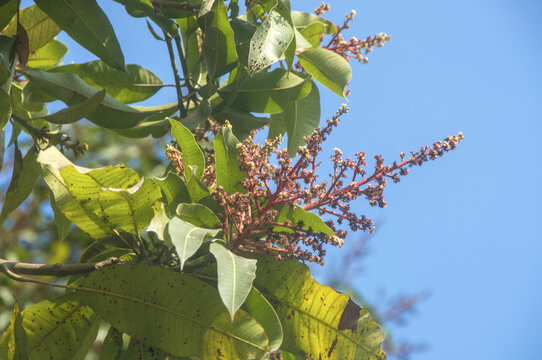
58	270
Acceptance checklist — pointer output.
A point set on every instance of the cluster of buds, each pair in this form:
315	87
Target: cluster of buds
354	48
252	220
322	9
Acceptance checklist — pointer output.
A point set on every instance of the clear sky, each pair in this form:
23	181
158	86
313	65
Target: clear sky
466	227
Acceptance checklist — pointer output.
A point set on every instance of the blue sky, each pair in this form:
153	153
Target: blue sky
466	227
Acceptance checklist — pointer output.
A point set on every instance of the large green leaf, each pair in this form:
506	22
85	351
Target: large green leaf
299	119
235	275
302	20
25	175
260	309
48	55
192	154
87	24
218	44
101	200
60	328
38	25
78	111
198	215
269	92
228	174
62	223
271	39
13	345
133	84
174	189
70	89
186	238
328	67
318	322
175	312
130	209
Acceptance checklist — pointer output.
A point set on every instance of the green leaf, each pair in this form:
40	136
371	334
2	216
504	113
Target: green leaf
297	215
62	223
198	215
242	122
299	119
38	25
70	89
119	346
87	24
269	92
318	321
25	175
132	84
218	44
192	154
271	39
48	55
197	190
174	189
155	128
175	312
8	9
130	209
235	276
302	20
158	224
329	68
5	108
313	33
228	174
186	238
126	202
77	111
260	309
60	328
13	345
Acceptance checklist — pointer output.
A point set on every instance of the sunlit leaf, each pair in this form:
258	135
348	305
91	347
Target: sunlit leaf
328	67
297	215
191	152
235	276
48	55
318	321
228	174
87	24
242	122
175	312
8	9
62	223
260	309
59	328
186	238
14	342
313	32
271	39
302	20
39	27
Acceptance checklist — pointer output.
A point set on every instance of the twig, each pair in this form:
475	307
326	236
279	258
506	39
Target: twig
13	268
182	109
